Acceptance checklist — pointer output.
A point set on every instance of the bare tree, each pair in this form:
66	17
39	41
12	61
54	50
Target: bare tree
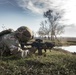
55	25
43	30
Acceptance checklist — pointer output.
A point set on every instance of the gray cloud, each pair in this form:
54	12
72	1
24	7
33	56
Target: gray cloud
39	6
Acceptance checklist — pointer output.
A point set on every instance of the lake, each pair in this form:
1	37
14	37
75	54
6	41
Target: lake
69	48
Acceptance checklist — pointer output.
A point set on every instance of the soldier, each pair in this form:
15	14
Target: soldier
10	42
23	34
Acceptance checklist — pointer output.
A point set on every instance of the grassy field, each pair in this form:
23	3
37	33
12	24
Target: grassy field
55	63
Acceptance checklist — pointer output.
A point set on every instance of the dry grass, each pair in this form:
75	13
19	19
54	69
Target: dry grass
55	63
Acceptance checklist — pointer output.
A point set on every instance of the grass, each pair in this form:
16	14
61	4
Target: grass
72	42
55	63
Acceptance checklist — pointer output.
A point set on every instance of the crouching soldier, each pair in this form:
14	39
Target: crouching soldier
10	42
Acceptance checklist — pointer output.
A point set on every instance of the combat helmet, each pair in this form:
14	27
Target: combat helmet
24	33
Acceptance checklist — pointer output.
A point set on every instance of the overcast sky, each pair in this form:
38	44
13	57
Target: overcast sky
16	13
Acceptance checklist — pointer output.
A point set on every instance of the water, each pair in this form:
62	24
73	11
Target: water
69	48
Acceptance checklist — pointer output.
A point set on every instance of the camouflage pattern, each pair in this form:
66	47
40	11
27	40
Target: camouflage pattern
24	33
10	42
6	32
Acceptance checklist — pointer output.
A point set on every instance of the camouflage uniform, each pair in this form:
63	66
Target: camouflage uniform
11	42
